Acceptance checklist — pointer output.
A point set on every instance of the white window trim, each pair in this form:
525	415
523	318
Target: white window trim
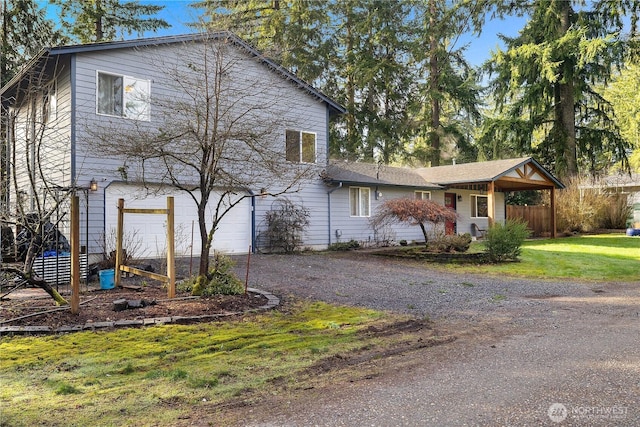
50	102
422	193
359	205
474	198
315	145
145	116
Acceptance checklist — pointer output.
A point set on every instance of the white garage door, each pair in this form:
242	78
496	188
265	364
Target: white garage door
148	232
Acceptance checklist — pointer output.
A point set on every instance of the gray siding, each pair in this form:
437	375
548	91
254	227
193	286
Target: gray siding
253	83
42	141
361	230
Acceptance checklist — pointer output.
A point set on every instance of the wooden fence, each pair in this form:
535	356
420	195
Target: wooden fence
538	218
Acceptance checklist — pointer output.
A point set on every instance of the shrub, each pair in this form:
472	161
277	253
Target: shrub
221	279
344	246
451	243
584	209
286	223
503	242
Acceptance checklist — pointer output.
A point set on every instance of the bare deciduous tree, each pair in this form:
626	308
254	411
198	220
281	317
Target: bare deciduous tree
216	131
37	179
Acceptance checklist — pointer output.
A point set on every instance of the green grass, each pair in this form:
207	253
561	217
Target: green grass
606	257
155	375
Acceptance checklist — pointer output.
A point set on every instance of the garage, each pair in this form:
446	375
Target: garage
147	233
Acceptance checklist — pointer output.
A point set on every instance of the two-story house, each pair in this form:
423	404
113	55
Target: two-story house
75	114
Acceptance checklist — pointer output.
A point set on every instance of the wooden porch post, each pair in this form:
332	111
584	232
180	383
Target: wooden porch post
491	203
553	213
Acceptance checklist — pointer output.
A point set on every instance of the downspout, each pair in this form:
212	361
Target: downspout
72	130
253	219
329	206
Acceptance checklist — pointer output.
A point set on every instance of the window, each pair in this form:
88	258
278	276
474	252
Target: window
300	146
479	206
359	201
123	96
50	103
423	195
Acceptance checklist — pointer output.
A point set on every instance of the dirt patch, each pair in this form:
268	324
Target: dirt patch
96	305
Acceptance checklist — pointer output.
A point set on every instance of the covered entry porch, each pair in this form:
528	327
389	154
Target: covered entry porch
491	177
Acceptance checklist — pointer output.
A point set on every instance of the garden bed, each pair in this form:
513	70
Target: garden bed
422	253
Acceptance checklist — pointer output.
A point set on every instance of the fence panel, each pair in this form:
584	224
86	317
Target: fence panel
538	218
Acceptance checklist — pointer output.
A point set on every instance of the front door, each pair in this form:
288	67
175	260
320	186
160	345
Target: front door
450	202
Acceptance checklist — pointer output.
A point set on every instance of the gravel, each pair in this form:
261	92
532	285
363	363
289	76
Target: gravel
409	287
529	352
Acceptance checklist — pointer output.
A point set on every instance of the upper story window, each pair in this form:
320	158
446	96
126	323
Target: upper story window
423	195
300	146
360	201
479	206
50	103
123	96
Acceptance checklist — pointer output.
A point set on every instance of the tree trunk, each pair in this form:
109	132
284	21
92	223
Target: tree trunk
424	232
38	283
434	89
566	100
98	21
205	246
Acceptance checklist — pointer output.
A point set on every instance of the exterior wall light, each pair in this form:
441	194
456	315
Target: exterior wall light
93	185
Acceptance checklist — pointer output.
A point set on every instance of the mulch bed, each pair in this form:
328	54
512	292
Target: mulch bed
97	305
420	253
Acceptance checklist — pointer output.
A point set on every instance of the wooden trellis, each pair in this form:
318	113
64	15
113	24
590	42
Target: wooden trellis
170	278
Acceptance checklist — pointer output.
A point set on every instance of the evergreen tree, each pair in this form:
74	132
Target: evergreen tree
625	98
25	31
544	82
90	21
449	93
374	77
292	32
370	56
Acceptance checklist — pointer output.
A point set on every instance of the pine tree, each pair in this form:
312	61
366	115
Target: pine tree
544	82
104	20
25	31
449	89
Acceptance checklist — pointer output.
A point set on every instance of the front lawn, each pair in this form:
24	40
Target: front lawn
160	375
604	257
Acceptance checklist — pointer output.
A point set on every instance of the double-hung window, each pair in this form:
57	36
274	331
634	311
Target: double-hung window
360	201
479	206
422	195
300	146
123	96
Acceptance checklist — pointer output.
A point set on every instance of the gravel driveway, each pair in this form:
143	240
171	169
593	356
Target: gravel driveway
528	352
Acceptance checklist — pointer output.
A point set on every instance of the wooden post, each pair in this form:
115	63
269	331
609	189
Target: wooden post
171	266
75	255
553	213
119	234
491	203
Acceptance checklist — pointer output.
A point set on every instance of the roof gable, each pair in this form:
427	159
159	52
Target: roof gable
47	53
511	174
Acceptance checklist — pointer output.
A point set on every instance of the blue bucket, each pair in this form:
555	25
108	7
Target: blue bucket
107	278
